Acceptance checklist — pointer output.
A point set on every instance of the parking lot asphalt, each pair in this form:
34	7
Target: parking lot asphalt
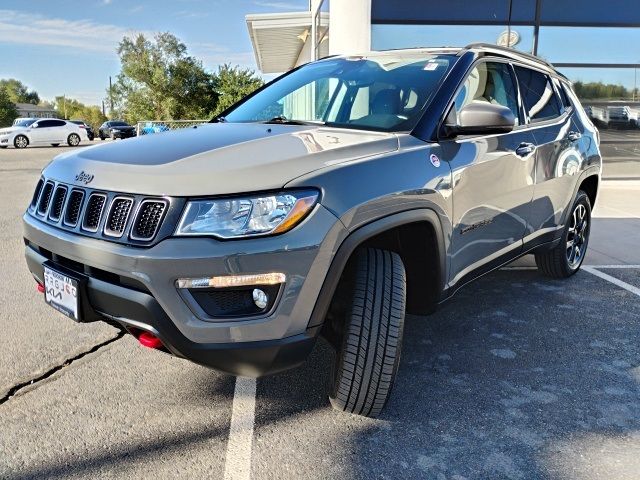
516	377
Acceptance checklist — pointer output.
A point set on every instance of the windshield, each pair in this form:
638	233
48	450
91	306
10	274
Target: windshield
386	92
119	124
25	123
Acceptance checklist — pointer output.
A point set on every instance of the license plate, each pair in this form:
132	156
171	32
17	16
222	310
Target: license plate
61	292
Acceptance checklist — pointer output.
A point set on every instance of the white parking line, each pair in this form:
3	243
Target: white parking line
614	266
237	464
614	280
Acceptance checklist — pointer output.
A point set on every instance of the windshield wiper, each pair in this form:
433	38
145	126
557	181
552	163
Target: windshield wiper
281	119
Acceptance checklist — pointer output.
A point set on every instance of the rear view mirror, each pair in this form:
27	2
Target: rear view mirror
480	117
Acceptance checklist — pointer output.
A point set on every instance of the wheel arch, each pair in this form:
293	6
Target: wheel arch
590	185
413	234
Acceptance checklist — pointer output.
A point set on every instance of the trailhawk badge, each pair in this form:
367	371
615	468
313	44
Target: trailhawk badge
434	160
87	177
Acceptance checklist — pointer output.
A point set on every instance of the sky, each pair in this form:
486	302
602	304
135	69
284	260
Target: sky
69	47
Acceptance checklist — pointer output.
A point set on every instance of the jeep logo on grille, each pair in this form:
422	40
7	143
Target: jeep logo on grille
84	177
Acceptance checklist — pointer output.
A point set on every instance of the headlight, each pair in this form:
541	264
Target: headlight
246	216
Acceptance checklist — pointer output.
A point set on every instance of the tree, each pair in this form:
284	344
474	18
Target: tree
599	90
8	110
18	92
233	84
160	81
73	109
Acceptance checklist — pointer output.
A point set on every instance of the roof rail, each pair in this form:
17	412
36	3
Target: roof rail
508	51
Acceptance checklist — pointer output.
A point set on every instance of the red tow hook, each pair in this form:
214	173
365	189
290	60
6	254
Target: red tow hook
40	287
149	340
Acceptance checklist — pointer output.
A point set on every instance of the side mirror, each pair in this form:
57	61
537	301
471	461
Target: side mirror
478	118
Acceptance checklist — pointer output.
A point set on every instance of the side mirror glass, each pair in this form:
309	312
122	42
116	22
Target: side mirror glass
478	118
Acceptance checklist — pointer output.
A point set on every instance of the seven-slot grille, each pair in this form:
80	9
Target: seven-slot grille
57	203
45	198
118	216
148	219
93	211
121	218
72	213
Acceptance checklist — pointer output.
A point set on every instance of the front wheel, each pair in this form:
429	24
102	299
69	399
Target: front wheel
21	141
55	144
368	359
566	259
73	140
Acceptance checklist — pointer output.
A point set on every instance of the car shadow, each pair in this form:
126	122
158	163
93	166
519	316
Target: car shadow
516	377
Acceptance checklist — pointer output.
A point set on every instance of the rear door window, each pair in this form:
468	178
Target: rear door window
538	95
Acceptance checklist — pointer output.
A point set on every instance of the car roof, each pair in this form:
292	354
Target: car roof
478	49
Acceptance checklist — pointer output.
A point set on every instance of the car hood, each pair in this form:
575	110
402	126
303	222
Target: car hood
122	127
11	129
214	159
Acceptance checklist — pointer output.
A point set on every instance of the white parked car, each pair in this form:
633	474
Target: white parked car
42	131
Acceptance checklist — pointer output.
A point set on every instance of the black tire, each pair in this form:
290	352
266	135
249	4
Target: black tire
73	140
20	141
101	137
368	358
559	262
3	146
55	144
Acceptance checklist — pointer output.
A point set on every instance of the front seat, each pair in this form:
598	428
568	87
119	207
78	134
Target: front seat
386	102
384	110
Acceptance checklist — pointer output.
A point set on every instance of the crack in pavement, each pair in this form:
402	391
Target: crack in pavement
16	388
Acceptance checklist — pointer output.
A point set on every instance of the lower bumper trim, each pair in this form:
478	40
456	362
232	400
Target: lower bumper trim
133	309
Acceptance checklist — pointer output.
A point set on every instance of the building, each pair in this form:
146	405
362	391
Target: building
29	110
595	43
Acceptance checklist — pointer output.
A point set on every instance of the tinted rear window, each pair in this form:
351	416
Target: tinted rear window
538	96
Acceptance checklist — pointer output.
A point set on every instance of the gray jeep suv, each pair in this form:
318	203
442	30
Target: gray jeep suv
329	202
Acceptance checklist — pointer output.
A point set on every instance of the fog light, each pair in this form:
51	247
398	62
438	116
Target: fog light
260	298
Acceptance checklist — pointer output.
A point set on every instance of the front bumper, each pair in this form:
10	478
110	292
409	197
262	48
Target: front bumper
124	134
148	299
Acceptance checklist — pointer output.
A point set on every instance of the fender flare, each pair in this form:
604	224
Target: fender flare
365	232
589	172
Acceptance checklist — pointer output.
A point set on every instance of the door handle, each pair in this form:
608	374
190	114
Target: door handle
574	136
525	149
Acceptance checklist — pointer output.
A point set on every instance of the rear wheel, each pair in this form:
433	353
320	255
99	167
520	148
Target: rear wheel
20	141
73	140
566	259
368	358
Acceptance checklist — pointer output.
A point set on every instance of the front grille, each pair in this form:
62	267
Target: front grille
131	219
93	212
148	219
57	203
118	216
74	205
36	194
45	198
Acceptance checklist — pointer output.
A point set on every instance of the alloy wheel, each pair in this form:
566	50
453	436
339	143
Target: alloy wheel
577	236
21	142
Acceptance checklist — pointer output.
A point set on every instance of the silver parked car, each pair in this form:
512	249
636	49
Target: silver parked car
329	202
